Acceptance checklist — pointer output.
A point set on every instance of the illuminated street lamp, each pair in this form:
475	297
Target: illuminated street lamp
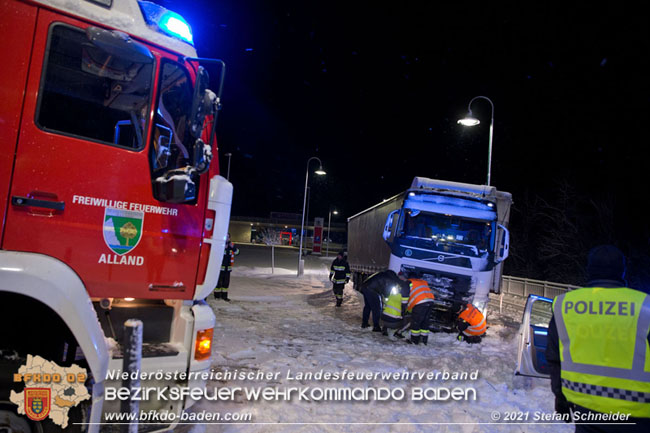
470	120
320	172
329	220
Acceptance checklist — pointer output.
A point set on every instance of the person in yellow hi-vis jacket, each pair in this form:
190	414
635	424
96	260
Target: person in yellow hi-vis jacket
598	348
394	307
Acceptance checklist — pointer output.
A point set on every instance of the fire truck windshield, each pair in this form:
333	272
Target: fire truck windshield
90	93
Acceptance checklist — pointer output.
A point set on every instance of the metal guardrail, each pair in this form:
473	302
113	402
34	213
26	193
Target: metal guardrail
523	287
515	291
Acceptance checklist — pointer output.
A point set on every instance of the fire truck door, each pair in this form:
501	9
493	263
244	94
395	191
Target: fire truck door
81	190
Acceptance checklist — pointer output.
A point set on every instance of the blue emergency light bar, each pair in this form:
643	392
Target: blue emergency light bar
166	21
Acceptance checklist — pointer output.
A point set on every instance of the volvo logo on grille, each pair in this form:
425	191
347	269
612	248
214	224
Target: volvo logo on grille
408	253
441	258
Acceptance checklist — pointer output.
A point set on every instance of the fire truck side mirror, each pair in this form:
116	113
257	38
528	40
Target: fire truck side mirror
119	44
202	156
175	186
201	103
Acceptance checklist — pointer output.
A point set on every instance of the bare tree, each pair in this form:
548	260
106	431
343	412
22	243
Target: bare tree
272	237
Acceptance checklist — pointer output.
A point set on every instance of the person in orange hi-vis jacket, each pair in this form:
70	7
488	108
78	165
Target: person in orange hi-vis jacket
471	324
420	304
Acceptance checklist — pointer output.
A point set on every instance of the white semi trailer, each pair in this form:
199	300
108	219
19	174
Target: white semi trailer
453	235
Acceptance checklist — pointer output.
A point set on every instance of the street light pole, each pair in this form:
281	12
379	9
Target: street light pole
319	172
470	120
329	239
228	172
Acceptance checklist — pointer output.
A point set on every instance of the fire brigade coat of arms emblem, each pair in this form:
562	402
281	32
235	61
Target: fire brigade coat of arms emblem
37	403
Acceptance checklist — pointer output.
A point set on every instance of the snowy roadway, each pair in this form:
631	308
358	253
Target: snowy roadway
279	323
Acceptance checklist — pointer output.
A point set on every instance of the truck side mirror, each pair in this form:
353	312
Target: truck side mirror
202	156
388	228
503	246
175	186
202	103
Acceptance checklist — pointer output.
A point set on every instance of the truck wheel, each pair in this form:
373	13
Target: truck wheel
10	421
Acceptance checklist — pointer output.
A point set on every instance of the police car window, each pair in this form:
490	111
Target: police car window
89	93
540	313
172	142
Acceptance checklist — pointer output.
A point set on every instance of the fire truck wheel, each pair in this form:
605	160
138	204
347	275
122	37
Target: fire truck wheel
12	422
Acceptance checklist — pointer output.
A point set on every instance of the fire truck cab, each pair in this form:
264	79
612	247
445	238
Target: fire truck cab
111	206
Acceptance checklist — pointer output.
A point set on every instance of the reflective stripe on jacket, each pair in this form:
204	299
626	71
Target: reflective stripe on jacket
229	254
604	353
420	293
340	271
475	319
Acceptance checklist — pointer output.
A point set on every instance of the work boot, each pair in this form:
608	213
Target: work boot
224	296
365	325
339	302
384	331
217	295
376	329
415	339
398	334
425	339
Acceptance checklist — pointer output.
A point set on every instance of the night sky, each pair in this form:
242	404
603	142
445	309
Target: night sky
375	90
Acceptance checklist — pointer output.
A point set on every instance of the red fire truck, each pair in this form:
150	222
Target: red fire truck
109	206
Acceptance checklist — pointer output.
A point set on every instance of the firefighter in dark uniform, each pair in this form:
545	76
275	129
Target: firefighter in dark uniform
375	289
229	253
597	350
339	276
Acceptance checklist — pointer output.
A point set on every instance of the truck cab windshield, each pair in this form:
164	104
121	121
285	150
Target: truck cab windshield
448	233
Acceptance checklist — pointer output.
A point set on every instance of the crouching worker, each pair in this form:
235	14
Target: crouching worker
392	316
419	304
471	324
374	290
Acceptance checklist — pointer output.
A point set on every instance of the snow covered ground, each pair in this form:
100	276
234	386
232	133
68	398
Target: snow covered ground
280	323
